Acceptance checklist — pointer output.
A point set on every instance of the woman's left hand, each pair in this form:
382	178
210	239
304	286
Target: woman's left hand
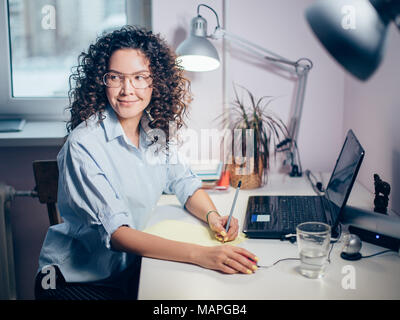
218	224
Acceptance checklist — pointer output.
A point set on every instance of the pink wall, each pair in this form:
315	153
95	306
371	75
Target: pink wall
278	26
372	109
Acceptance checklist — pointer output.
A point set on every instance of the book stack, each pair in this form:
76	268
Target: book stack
210	174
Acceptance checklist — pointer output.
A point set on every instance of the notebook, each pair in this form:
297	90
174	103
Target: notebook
11	125
275	217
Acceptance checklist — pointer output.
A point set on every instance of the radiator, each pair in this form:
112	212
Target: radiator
7	271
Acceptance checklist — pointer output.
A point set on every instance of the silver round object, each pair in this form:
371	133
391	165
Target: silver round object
352	243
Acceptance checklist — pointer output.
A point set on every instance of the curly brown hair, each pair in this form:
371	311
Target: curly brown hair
171	90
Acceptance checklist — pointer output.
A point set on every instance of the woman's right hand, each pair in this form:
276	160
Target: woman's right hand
227	258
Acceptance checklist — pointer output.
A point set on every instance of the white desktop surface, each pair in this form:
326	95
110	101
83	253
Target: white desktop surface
374	278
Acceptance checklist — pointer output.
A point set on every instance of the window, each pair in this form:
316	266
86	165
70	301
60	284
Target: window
43	42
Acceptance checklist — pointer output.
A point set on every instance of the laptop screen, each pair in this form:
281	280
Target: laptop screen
344	173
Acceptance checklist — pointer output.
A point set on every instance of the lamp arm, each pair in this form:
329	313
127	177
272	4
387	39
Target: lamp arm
299	102
220	32
292	153
299	65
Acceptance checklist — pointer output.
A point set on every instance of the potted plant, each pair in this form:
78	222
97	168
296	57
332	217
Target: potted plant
267	130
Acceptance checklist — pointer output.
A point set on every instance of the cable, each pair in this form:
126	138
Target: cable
290	236
216	15
328	259
329	254
286	259
378	253
298	158
297	170
317	185
333	242
276	262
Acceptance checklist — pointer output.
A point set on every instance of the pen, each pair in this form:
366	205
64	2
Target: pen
233	206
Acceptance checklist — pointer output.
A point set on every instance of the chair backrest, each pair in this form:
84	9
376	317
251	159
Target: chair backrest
46	179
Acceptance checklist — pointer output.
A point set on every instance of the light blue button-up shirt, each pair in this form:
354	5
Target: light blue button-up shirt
105	182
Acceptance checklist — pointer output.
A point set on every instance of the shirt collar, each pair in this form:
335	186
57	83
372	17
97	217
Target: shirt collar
113	127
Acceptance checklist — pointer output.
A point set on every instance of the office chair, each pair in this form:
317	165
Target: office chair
46	179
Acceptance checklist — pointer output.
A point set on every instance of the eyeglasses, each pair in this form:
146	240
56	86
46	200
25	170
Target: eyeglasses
141	80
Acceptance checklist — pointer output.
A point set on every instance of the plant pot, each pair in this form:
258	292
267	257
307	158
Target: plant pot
250	176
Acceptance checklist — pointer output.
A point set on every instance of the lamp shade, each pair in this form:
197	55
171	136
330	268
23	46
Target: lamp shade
352	31
197	53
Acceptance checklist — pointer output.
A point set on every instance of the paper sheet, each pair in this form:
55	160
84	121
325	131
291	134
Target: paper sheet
189	232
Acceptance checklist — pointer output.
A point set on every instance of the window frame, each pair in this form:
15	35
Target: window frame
39	108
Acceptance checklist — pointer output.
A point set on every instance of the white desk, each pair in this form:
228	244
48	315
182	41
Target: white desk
374	278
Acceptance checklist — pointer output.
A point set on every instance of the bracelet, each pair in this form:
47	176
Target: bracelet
209	213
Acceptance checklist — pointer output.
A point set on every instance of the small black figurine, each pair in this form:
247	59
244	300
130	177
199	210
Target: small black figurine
382	190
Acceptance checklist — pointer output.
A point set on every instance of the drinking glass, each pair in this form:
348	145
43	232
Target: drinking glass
313	240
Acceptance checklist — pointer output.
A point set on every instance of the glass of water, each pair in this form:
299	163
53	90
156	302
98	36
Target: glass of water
313	240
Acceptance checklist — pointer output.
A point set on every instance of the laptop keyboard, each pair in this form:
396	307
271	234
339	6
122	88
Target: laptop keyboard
292	211
296	210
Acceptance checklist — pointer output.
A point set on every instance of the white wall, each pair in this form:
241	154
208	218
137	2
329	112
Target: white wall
172	20
372	110
279	26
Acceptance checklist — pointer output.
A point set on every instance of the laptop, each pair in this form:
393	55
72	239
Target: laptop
276	217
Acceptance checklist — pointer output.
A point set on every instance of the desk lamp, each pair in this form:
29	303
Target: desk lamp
354	31
197	53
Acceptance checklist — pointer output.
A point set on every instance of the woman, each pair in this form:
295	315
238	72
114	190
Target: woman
126	86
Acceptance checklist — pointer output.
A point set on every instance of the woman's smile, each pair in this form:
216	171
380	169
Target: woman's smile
127	103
